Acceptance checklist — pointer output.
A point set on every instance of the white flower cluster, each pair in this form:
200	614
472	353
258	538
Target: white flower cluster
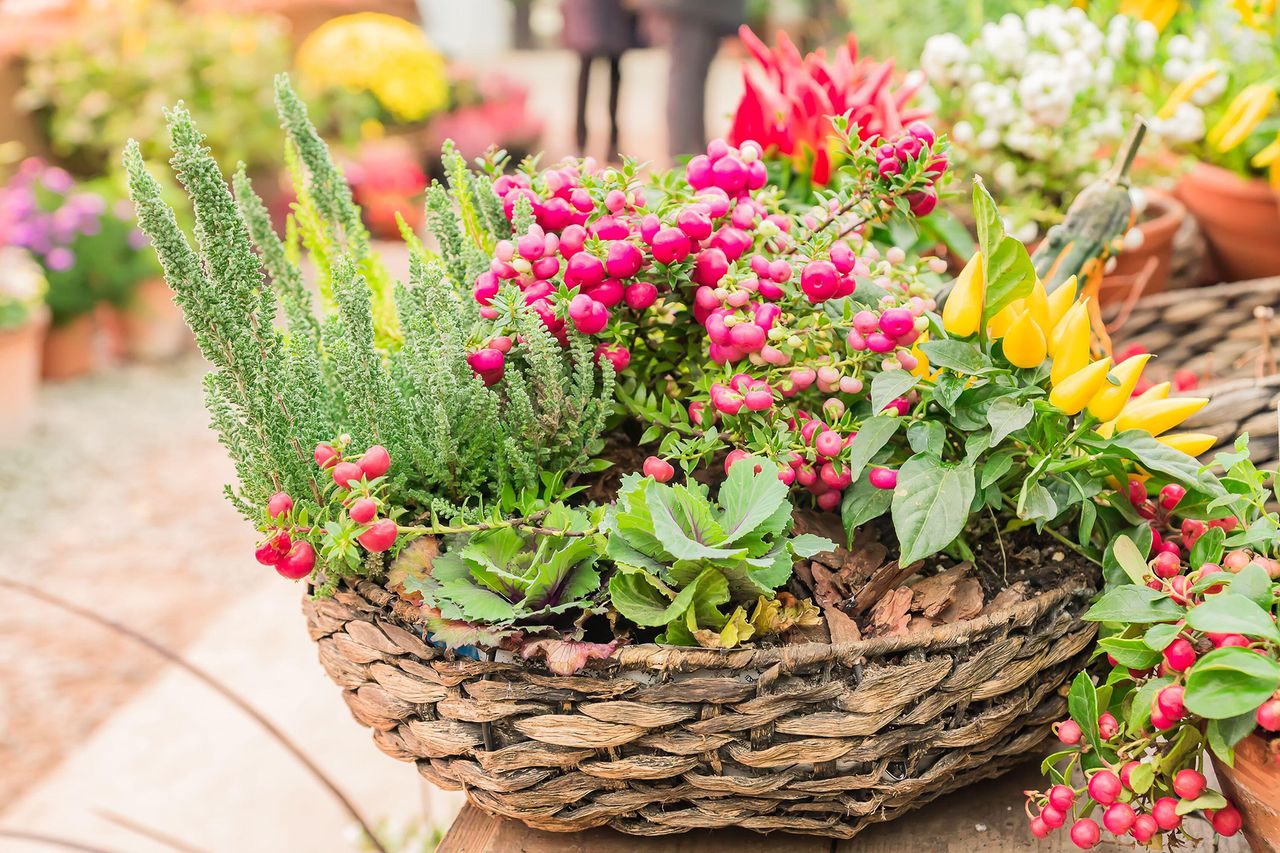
1187	56
1033	101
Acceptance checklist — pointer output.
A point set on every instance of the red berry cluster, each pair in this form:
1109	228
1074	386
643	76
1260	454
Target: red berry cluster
353	477
292	559
913	144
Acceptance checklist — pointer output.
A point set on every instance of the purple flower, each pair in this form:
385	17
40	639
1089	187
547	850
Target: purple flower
57	180
123	209
138	240
60	259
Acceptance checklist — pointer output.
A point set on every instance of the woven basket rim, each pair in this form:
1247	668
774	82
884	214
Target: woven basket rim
656	656
1233	288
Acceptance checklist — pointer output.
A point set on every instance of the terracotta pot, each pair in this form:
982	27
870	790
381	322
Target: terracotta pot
152	325
71	350
1161	220
20	375
1253	784
1240	219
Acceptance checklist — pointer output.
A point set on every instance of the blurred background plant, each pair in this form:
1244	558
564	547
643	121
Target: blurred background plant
22	287
113	79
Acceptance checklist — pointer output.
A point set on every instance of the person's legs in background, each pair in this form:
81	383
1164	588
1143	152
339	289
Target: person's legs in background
692	50
584	84
615	86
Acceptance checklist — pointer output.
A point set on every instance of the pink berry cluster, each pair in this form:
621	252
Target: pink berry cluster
1112	791
355	478
1158	514
292	559
914	144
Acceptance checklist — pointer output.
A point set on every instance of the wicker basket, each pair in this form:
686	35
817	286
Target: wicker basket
808	738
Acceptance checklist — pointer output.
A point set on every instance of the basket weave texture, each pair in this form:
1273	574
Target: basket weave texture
808	738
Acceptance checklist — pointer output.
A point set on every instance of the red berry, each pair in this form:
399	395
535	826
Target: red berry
346	473
1107	726
1061	797
829	443
1180	589
266	554
1180	655
279	505
298	562
1085	833
363	510
1188	783
1118	818
1166	565
1269	715
380	536
1068	732
326	456
1224	641
1126	773
1169	700
1053	817
1171	495
658	469
1137	493
375	462
1144	828
884	478
1226	820
1159	719
1104	787
1039	828
1164	810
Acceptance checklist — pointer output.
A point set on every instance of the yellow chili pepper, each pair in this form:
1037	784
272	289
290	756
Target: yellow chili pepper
1182	93
1024	344
1074	393
1244	114
962	315
1190	443
999	325
1059	302
1069	343
1267	156
1155	392
922	361
1110	400
1159	416
1037	302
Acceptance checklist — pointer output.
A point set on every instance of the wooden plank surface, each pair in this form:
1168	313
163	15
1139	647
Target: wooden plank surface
985	818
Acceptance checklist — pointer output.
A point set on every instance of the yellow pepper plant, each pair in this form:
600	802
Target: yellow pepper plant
1017	417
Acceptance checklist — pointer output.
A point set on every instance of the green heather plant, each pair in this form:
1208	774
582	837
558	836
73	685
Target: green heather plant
382	364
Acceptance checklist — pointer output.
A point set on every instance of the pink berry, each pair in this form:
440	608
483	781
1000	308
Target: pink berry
1269	715
326	456
1137	492
1144	828
1188	783
780	271
923	202
737	455
1171	495
658	469
279	505
299	562
1126	773
671	245
585	269
1053	816
829	500
346	473
375	462
1061	797
1166	565
879	343
1108	727
617	355
1227	821
501	343
1085	833
829	443
362	510
1169	699
486	360
1164	810
1068	732
1119	818
819	281
623	259
1039	828
695	222
1104	787
640	295
380	536
883	478
865	322
595	321
920	130
1180	655
897	322
267	555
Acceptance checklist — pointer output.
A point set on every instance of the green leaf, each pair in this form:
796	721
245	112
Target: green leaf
961	356
947	390
1186	743
1207	800
1233	614
807	544
1010	275
683	522
1140	708
996	467
1131	560
986	218
476	603
1229	682
640	598
1130	651
749	498
1133	604
871	437
1224	734
1143	448
1158	637
1141	778
1251	582
1037	503
927	437
930	505
1082	703
863	502
1208	548
890	385
1006	416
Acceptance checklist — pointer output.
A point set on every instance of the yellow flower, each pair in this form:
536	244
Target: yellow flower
1182	93
1074	392
1110	400
1024	344
1243	114
962	315
1069	343
1159	416
1190	443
